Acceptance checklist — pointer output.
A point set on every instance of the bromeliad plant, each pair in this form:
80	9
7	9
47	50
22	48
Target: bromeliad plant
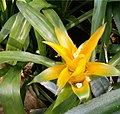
75	68
75	71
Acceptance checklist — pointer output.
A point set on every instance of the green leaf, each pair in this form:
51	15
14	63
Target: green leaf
106	35
98	18
64	94
108	103
40	4
3	5
54	19
113	48
63	107
10	92
72	11
41	45
50	86
116	86
80	19
4	12
99	86
72	19
7	27
42	94
98	14
38	21
116	14
18	37
18	33
4	69
6	56
26	43
115	59
65	5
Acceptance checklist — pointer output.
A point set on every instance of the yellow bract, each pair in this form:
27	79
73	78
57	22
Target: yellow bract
77	69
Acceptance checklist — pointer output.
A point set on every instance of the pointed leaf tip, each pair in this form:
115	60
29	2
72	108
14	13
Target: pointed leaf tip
102	69
92	42
65	40
63	78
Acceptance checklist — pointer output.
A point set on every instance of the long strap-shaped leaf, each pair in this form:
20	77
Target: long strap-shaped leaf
80	19
41	45
18	33
116	14
10	92
38	21
98	14
6	56
6	28
67	104
97	20
3	11
115	59
108	103
106	36
40	4
54	19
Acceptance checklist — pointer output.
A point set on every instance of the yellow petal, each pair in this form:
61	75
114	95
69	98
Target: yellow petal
65	40
101	69
49	74
90	45
76	79
74	63
61	51
63	78
80	67
77	53
82	90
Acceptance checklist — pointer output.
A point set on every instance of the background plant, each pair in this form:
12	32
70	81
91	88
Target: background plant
25	24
